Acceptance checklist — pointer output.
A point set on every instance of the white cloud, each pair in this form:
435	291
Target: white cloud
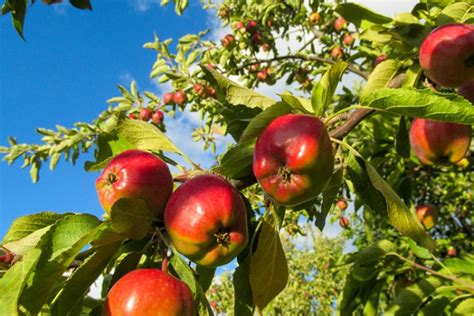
142	5
126	79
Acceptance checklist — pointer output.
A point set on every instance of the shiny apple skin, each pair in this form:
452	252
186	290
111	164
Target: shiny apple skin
293	158
436	142
149	292
137	174
447	54
427	215
199	210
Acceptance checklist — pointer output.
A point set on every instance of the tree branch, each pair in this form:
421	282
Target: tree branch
355	118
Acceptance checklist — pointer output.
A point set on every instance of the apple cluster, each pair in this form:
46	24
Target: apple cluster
146	114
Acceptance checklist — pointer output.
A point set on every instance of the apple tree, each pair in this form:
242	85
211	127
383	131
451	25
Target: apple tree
395	145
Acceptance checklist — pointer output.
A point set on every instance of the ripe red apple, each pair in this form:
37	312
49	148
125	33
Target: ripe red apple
452	252
262	75
145	114
427	215
344	222
337	53
168	98
314	18
379	59
293	158
340	23
348	40
149	292
135	174
158	117
447	54
239	25
467	91
7	258
252	26
228	41
211	92
179	97
206	220
256	38
439	142
132	116
342	204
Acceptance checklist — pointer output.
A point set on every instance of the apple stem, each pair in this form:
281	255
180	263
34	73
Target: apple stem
164	265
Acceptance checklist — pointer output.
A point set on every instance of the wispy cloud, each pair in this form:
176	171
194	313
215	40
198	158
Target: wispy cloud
142	5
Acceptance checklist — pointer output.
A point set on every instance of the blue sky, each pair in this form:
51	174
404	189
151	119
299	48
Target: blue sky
69	67
64	73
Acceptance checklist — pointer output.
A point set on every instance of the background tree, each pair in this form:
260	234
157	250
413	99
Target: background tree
399	266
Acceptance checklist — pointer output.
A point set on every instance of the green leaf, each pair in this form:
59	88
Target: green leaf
14	281
360	16
402	143
205	276
261	120
329	195
373	299
237	161
26	225
268	265
463	265
323	91
299	104
399	215
81	4
108	146
381	76
436	307
420	252
18	15
60	245
22	246
186	274
366	260
79	283
466	307
421	103
453	13
243	299
131	218
236	94
410	299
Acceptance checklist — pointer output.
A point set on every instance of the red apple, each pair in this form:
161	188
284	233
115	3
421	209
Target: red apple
228	41
132	116
340	23
252	27
262	75
344	222
179	97
7	258
145	114
149	292
336	53
452	252
239	25
158	117
427	215
135	174
206	220
293	158
314	18
348	40
168	98
379	59
436	142
211	92
447	54
342	204
467	91
256	38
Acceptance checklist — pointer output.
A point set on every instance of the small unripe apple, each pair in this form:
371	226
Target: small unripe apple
132	116
436	142
179	97
447	54
379	59
149	292
452	252
211	92
254	68
228	41
467	91
340	23
135	174
342	204
427	215
348	40
293	158
158	117
266	47
262	75
314	18
252	26
145	114
168	98
344	222
336	53
206	221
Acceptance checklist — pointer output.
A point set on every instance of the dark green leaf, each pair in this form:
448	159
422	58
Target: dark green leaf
237	161
329	195
401	141
205	276
323	91
421	103
18	15
81	4
243	299
108	145
131	217
268	265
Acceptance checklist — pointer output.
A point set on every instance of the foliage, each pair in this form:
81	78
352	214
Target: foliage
398	268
